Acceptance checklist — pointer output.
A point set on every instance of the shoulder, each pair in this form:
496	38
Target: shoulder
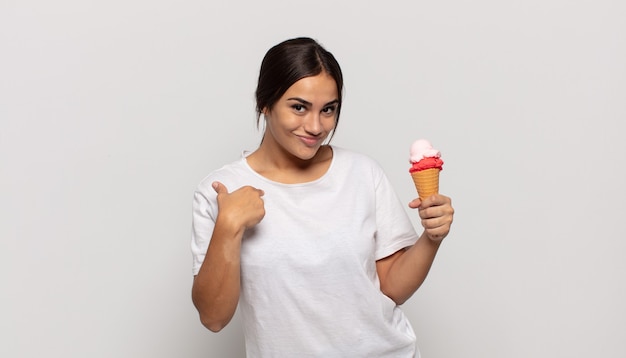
344	154
356	161
227	174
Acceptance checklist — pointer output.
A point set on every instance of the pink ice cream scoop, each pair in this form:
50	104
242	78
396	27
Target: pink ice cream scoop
424	156
426	164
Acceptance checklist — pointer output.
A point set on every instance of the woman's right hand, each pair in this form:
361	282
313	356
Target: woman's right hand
216	287
243	208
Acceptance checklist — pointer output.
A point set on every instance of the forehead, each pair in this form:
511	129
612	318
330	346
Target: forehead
321	87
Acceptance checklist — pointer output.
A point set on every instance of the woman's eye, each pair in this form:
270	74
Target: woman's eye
329	110
298	107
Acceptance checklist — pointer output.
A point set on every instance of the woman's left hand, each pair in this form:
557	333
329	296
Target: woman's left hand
436	213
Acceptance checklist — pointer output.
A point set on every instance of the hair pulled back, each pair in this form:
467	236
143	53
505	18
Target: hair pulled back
289	62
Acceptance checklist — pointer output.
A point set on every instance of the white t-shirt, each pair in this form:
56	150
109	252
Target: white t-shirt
309	286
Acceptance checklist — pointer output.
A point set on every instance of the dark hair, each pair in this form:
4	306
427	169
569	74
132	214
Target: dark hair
289	62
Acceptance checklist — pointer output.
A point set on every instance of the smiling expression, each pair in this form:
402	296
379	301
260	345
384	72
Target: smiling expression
300	121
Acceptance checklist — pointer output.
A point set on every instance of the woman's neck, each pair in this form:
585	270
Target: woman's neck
283	167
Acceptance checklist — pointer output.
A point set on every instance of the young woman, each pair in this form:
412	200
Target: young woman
309	239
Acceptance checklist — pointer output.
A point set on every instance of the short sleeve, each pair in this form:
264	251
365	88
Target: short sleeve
394	230
203	221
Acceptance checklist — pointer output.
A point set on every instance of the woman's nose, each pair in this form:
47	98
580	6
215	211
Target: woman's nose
313	124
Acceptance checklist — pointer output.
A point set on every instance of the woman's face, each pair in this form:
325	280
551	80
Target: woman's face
300	121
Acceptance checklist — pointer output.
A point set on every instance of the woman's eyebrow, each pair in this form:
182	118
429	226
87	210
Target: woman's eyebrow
299	100
307	103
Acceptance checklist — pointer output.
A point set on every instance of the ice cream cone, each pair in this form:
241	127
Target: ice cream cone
426	182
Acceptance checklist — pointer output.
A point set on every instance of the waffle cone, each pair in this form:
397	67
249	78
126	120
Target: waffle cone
426	182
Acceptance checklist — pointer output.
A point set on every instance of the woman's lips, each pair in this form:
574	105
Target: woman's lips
309	141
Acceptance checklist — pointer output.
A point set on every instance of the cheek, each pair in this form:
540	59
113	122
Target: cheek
280	122
330	123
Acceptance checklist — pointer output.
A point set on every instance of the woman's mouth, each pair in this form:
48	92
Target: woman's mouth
310	141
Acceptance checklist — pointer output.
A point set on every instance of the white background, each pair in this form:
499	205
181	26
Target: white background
112	111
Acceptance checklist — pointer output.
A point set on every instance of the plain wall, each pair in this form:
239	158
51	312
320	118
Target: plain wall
111	112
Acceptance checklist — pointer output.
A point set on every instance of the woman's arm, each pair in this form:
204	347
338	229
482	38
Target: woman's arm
215	290
403	272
